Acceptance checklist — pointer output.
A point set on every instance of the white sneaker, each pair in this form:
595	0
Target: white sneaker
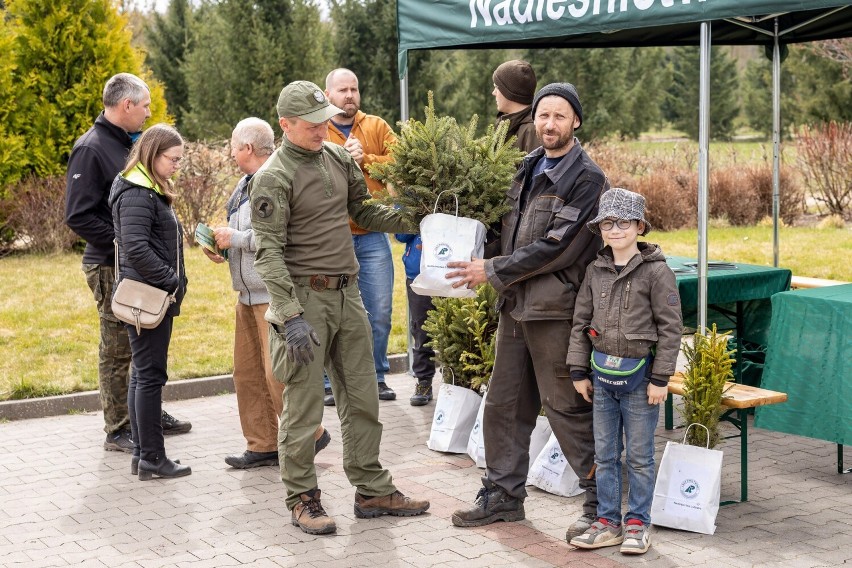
637	538
599	535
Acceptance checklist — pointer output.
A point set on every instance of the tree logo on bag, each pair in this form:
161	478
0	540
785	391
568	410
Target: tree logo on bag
439	417
476	427
690	488
555	456
443	251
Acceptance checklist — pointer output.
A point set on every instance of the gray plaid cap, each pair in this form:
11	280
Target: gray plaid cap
618	203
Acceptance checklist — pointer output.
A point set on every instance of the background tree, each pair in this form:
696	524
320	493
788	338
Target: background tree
168	39
11	141
365	39
757	96
63	54
823	92
682	99
242	56
619	88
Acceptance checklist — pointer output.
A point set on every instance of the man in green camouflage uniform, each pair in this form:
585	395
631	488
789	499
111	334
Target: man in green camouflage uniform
301	200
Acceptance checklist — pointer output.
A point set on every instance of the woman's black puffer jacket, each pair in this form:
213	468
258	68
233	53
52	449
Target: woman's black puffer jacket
149	238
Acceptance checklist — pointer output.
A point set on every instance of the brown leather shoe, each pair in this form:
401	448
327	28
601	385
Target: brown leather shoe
395	504
309	515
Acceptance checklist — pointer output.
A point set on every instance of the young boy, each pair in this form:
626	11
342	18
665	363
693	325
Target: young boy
627	311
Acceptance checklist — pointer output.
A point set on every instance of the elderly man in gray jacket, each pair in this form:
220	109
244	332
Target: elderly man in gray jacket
259	394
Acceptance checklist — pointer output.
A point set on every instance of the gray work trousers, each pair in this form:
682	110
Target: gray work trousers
530	372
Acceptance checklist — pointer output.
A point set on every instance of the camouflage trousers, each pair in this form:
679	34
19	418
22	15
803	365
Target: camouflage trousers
113	351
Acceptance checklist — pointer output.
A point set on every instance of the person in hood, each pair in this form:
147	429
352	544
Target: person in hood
514	89
149	241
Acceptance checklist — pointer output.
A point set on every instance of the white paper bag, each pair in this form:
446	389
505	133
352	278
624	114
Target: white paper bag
686	495
476	441
447	238
455	413
551	471
540	436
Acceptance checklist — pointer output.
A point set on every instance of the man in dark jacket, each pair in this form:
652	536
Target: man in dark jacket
97	157
545	248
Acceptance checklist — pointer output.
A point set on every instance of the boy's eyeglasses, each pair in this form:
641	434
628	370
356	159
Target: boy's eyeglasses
607	224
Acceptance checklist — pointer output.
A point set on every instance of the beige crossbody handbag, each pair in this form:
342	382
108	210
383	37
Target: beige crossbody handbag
138	303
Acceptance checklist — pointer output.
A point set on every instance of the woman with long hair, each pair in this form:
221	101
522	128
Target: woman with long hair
149	243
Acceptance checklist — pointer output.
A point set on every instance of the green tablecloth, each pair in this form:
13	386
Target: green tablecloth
809	356
748	284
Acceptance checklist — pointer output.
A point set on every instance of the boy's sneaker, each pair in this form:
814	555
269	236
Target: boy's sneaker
119	441
637	538
580	526
172	425
492	504
599	535
422	394
328	399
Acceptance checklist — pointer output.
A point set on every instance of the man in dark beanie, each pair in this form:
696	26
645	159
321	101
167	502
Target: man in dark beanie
514	87
545	247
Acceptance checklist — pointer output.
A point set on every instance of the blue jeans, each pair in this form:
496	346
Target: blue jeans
375	279
619	417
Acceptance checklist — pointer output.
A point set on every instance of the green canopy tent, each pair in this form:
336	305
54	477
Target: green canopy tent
484	24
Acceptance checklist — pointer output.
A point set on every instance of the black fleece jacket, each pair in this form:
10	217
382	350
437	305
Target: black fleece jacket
97	156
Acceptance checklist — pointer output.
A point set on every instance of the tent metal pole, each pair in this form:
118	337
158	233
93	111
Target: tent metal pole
403	97
776	144
703	171
403	113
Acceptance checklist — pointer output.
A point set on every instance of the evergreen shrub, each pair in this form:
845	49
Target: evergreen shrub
437	155
708	374
463	333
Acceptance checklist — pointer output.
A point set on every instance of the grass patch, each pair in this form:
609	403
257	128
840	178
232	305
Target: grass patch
49	326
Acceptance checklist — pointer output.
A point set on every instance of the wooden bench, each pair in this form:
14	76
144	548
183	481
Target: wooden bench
798	282
737	399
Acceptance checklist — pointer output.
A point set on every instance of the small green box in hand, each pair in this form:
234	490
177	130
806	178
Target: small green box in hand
204	237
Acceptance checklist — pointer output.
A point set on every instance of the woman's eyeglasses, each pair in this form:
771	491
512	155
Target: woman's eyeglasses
176	160
607	224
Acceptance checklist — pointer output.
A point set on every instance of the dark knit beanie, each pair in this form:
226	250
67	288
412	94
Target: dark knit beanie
564	90
516	81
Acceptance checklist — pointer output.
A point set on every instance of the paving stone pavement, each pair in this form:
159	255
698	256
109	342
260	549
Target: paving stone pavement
64	501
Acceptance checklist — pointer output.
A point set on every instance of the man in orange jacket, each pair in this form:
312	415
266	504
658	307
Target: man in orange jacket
367	138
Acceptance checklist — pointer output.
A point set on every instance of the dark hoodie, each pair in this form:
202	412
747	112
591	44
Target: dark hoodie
521	125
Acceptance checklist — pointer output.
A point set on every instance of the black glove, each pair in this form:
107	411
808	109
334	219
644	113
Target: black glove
299	334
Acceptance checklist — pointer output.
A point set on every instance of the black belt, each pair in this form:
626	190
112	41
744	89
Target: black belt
320	282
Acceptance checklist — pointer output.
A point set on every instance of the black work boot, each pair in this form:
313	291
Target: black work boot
492	504
422	394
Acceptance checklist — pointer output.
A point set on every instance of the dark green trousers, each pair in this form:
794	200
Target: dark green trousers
346	352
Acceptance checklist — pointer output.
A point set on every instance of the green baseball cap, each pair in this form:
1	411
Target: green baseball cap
305	100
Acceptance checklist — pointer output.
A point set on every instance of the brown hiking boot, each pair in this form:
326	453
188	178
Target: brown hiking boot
395	504
492	504
309	515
